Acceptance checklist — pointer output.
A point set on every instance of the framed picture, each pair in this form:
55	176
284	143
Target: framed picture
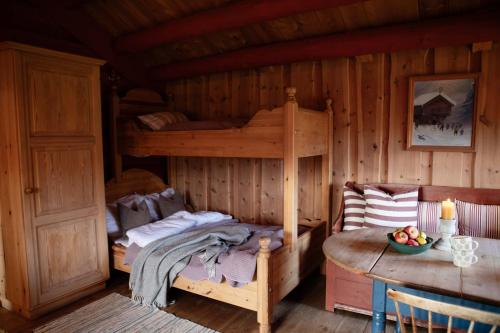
442	112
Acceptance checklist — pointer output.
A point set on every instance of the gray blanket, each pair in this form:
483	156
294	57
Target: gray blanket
157	265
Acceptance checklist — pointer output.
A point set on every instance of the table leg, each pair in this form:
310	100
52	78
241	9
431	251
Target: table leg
378	306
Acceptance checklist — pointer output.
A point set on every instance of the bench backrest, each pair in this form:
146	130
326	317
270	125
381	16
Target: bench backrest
481	196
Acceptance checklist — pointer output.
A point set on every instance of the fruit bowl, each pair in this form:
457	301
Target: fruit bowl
408	249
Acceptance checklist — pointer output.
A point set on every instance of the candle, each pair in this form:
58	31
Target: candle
447	210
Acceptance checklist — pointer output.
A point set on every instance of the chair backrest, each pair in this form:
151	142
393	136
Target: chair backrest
450	310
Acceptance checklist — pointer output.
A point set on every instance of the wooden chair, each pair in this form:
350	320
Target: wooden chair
450	310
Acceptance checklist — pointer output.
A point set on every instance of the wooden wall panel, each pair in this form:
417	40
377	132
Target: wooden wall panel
404	166
450	168
487	159
370	101
336	85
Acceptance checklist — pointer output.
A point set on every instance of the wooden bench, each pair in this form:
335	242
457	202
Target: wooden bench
352	292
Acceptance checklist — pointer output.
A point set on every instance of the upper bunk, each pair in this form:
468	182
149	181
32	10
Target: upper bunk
278	133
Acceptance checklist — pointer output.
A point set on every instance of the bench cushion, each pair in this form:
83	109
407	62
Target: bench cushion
478	220
428	216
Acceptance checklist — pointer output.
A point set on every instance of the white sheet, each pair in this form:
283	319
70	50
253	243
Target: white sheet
172	225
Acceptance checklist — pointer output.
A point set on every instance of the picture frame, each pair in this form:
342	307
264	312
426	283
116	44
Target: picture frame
442	111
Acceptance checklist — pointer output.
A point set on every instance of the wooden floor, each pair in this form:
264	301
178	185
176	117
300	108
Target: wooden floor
302	311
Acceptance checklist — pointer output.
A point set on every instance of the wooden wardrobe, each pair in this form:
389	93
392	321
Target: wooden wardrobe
51	182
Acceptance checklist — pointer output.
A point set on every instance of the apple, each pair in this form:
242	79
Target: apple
396	231
422	235
401	237
412	242
411	231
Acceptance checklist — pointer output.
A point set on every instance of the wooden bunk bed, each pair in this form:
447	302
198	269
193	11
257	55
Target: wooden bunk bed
288	132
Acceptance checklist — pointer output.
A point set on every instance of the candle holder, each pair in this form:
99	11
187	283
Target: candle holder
447	228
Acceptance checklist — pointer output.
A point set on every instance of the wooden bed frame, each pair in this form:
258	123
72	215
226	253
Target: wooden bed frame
289	133
349	291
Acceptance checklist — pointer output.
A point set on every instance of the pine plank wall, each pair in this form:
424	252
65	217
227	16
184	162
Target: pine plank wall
370	116
370	121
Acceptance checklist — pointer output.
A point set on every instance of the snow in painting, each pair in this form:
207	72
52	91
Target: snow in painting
443	113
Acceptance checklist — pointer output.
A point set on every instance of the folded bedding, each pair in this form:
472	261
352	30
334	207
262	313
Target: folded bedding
169	226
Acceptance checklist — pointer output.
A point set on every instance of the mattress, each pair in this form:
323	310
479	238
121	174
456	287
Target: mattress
201	125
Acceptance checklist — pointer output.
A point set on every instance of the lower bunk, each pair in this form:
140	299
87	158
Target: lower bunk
278	273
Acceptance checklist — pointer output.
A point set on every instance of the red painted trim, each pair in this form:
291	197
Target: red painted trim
232	16
483	25
330	286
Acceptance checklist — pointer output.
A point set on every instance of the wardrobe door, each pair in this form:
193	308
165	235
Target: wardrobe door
64	182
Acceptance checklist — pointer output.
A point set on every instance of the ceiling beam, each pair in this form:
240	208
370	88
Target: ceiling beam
478	26
231	16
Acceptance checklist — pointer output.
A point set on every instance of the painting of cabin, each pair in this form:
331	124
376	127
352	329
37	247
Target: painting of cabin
432	108
441	112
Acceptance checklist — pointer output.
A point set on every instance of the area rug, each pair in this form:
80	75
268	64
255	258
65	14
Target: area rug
117	313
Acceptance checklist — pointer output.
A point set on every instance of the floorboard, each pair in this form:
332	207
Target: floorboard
301	311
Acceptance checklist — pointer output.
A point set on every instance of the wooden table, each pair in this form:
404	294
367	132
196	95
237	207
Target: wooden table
430	274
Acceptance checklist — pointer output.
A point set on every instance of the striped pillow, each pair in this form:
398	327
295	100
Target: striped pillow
156	121
354	209
385	210
429	213
478	220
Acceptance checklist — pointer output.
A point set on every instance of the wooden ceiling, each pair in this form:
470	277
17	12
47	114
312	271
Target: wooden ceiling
94	26
121	17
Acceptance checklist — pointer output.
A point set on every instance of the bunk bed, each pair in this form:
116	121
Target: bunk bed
289	133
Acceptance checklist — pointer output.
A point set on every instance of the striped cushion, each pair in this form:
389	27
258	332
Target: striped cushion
354	209
156	121
428	216
385	210
478	220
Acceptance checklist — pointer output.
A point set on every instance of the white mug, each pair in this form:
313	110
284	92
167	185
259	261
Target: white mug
463	243
464	258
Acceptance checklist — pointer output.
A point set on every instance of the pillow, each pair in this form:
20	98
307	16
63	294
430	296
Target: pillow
429	213
354	209
112	224
129	200
152	202
171	205
112	217
132	218
478	220
156	121
385	210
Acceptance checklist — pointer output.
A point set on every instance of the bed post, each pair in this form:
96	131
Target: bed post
264	301
114	107
326	172
290	169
